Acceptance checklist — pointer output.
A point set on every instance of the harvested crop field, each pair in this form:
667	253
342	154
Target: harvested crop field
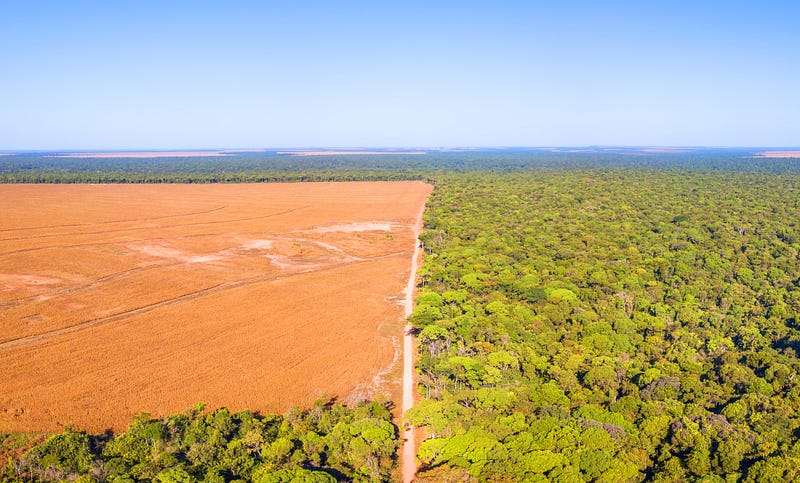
117	299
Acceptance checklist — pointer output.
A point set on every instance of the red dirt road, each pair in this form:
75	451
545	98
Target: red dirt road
409	446
117	299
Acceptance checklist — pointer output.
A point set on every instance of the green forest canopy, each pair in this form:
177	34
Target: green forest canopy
580	318
610	325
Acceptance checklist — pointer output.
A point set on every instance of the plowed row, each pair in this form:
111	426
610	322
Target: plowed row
117	299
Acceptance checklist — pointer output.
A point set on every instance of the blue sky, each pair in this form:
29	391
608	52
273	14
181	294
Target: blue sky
167	75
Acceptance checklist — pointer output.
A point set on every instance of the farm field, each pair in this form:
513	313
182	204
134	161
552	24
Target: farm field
779	154
116	299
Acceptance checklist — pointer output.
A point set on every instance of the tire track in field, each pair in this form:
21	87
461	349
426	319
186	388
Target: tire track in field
92	284
23	341
153	228
72	225
116	276
122	315
177	225
106	242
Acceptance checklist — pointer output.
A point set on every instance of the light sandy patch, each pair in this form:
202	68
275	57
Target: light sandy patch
778	154
348	153
14	280
144	154
332	248
295	265
159	251
666	150
258	245
204	258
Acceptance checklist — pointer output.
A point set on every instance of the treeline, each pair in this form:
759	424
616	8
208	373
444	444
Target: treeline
272	167
122	177
610	325
326	443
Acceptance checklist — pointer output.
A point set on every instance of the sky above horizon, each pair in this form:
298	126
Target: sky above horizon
247	74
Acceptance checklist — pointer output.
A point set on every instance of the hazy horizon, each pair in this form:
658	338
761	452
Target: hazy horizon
399	149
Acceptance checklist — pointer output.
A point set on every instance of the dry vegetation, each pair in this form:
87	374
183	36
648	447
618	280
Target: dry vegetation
116	299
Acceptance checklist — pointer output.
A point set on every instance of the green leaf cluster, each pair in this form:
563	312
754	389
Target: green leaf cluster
326	443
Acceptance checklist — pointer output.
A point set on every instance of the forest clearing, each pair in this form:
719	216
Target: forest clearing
779	154
117	299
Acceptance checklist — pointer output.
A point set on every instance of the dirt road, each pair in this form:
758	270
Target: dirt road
409	448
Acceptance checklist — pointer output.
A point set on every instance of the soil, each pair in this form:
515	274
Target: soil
409	446
778	154
348	153
120	299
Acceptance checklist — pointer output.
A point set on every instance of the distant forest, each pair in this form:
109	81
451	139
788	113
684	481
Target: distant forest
594	316
271	167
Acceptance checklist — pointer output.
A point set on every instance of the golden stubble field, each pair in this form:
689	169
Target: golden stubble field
118	299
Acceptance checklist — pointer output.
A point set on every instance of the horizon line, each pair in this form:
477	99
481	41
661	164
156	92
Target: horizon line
399	149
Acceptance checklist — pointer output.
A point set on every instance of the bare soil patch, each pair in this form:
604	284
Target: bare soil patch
117	299
328	153
778	154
